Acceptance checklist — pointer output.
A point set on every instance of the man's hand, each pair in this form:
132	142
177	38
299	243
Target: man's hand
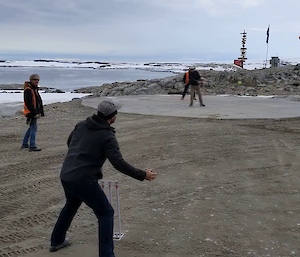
37	116
150	175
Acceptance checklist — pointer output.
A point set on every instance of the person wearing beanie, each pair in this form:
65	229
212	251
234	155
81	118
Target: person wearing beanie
33	110
90	143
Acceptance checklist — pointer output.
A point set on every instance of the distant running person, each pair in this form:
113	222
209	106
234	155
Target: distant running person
90	144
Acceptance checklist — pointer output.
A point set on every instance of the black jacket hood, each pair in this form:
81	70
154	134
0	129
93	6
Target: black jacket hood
95	122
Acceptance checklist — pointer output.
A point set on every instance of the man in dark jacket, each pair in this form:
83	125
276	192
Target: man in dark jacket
90	144
192	78
33	110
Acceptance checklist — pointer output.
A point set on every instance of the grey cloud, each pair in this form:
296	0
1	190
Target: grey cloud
140	26
69	13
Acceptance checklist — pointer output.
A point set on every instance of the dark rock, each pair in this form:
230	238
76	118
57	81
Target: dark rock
276	81
297	66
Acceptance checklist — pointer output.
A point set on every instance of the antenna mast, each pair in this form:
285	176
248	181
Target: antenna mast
243	48
241	60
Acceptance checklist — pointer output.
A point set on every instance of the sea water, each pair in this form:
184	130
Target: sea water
68	79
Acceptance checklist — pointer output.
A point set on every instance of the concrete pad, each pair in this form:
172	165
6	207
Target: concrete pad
217	107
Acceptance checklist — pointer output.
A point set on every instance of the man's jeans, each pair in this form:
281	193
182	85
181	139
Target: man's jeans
30	133
92	195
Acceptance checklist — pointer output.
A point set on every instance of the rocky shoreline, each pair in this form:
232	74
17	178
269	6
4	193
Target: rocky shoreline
273	81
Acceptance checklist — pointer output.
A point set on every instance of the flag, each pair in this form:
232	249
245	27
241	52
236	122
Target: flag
267	41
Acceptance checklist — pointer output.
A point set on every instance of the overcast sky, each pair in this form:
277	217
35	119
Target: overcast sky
154	30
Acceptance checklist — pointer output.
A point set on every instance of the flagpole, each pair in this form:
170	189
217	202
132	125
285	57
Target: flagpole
267	55
267	41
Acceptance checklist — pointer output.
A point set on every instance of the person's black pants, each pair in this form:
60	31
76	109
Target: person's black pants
92	195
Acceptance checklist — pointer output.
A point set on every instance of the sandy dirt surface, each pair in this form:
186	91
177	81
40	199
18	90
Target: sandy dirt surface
224	187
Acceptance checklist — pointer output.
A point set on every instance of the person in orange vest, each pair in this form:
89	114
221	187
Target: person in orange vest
192	78
33	110
186	81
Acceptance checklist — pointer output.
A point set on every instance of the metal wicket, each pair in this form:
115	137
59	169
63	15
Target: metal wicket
107	187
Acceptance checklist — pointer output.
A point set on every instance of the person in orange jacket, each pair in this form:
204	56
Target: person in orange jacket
33	110
186	81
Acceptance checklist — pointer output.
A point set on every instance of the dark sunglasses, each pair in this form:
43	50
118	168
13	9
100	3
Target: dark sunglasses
36	79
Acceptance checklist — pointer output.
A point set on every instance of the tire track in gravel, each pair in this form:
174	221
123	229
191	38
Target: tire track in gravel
30	168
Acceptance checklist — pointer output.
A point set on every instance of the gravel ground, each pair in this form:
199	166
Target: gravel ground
224	187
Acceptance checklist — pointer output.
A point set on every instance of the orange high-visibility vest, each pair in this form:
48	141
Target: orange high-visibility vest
187	78
26	110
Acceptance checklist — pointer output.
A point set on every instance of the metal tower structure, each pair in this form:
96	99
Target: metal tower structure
243	48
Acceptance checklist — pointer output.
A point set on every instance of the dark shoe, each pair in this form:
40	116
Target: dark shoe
202	105
182	98
24	146
65	243
190	105
34	149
